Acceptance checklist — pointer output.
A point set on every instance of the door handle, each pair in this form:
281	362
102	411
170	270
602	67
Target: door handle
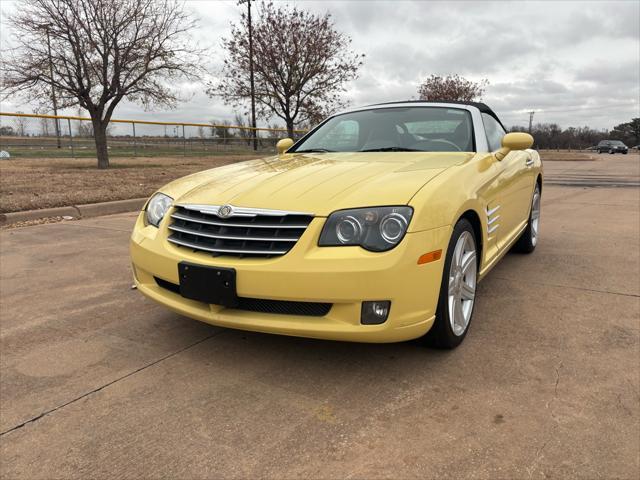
529	162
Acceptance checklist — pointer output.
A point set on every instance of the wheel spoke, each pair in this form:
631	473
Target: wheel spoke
468	260
467	292
460	320
535	216
536	206
452	310
457	254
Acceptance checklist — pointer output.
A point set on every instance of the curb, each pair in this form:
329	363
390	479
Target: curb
75	211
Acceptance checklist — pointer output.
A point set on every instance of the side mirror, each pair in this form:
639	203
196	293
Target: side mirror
284	145
514	141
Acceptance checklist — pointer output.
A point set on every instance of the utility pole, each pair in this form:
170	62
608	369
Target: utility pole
53	90
531	120
251	79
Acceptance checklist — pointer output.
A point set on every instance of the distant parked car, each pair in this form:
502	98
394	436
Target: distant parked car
612	146
637	147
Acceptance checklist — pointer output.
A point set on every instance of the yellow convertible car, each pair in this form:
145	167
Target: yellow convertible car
376	226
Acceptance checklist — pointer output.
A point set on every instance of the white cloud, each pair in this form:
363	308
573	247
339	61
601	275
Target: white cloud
575	63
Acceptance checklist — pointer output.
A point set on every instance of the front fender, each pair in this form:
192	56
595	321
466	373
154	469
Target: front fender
447	197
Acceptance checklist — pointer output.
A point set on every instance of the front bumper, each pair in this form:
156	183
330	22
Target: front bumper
343	276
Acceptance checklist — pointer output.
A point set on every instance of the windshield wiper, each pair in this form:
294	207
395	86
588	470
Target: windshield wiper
392	149
314	150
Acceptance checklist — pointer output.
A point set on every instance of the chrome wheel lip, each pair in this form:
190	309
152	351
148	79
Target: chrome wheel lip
462	283
535	216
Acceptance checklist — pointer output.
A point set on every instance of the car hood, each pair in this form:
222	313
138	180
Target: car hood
316	183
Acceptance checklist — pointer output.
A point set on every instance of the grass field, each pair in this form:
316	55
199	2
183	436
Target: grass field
27	184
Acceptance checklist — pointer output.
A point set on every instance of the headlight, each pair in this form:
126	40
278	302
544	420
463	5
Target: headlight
376	228
157	207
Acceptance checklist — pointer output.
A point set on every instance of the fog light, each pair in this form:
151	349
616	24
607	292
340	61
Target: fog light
375	313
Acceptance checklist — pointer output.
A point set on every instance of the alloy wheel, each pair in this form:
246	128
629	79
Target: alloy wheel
535	216
462	283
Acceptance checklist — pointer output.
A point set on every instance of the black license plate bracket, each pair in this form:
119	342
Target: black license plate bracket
214	285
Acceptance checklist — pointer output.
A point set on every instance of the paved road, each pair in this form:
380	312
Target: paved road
605	171
98	382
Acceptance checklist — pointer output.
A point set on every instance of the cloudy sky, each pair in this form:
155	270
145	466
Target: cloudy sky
573	62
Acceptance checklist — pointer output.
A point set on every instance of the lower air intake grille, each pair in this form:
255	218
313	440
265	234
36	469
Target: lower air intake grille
279	307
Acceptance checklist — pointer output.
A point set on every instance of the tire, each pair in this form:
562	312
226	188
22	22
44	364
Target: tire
461	274
611	152
624	153
529	238
599	152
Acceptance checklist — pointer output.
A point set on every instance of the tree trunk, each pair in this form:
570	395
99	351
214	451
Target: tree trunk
100	137
289	127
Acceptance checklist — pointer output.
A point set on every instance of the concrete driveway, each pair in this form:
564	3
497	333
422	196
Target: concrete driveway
97	381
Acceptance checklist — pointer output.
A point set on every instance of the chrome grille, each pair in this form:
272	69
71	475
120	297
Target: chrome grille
236	231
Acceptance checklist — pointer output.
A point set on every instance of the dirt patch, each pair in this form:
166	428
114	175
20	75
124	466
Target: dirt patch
29	184
567	156
37	221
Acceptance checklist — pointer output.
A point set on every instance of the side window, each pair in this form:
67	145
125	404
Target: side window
494	132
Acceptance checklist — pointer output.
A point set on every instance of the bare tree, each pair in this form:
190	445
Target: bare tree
451	87
102	52
245	133
222	130
7	130
628	132
21	125
551	135
44	127
273	130
301	65
85	129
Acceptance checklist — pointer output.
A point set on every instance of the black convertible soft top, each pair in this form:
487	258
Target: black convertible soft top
483	107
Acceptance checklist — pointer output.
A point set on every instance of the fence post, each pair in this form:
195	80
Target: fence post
135	143
184	142
73	152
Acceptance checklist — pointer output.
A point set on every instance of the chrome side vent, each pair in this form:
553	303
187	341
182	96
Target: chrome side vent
236	231
492	219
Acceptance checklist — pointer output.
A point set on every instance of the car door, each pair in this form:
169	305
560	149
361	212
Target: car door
489	191
511	209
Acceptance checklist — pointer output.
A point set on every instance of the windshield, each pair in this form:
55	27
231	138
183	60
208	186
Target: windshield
617	143
423	129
